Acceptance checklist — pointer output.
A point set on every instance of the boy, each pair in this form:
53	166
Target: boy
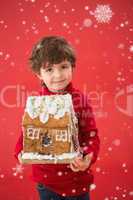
53	61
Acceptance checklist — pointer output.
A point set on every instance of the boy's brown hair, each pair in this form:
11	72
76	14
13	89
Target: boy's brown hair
51	49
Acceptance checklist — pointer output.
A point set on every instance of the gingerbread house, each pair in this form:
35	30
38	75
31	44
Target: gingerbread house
50	131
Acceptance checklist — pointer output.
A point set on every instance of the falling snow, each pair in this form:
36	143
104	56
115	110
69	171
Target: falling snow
121	46
47	5
87	22
92	187
98	169
18	170
73	190
131	193
116	142
2	176
46	18
59	173
131	48
86	7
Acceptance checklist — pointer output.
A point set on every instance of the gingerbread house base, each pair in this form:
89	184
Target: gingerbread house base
35	158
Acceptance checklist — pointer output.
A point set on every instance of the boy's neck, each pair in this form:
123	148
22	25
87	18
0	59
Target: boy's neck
56	91
64	90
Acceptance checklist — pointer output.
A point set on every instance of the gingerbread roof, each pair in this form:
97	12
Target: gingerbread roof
49	111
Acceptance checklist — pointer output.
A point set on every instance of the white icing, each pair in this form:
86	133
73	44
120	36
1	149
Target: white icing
59	114
44	117
37	156
52	109
43	106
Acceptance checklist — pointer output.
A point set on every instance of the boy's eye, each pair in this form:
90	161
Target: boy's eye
64	66
49	70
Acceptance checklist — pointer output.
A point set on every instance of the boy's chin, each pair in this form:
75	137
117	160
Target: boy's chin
57	89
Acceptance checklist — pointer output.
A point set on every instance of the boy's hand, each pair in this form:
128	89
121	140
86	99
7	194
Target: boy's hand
20	157
80	163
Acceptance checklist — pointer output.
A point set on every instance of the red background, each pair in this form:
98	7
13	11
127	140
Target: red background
104	71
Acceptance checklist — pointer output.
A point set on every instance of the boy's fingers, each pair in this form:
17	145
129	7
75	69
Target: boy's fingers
20	158
75	164
78	162
73	168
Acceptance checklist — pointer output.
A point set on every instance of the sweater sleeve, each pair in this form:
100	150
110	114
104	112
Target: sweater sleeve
19	145
88	133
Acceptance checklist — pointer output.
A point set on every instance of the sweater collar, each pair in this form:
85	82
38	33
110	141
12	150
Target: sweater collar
46	91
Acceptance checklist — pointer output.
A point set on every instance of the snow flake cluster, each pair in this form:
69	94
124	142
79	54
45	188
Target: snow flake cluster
102	13
18	170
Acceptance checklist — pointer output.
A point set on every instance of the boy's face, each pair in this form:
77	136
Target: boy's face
56	76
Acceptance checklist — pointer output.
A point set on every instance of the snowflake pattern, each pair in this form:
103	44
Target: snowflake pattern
102	13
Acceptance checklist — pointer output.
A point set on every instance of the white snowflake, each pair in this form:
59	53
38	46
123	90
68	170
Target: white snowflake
131	48
122	25
98	169
87	22
92	187
46	18
57	10
109	148
125	170
59	173
2	22
47	5
73	10
21	9
106	198
121	46
124	165
117	188
102	13
123	195
84	189
18	169
23	22
2	175
41	11
117	142
131	193
17	37
1	53
86	7
7	56
73	190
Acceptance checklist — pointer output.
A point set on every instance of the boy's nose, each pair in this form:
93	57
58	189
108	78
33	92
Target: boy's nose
57	73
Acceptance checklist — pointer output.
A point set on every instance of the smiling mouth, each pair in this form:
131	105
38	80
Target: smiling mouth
59	81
